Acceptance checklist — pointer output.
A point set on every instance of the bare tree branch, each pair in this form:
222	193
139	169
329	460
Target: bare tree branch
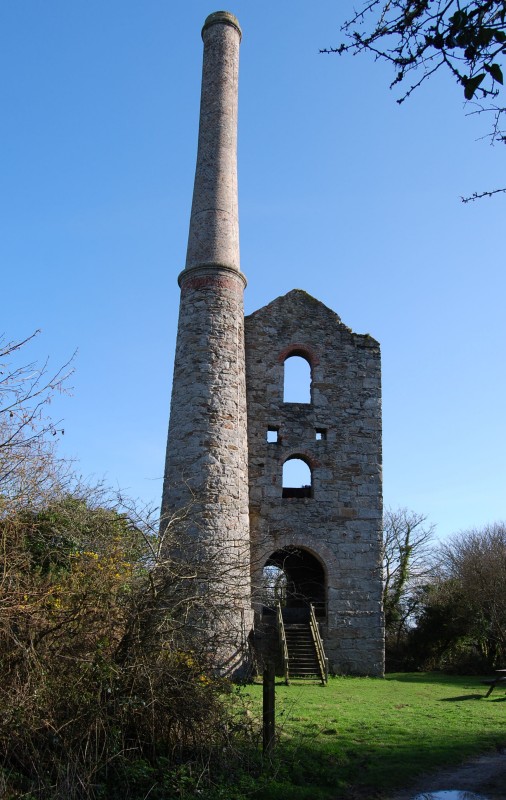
420	37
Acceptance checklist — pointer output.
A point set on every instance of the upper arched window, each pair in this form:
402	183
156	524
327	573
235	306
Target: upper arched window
297	380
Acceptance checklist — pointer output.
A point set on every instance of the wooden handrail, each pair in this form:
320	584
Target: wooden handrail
282	641
323	661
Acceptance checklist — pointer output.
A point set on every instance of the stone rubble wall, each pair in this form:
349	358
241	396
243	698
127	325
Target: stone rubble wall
341	524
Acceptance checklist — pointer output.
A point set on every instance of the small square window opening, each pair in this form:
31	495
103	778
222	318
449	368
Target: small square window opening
272	435
320	434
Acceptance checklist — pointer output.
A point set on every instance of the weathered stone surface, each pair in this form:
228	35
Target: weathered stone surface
214	225
206	470
219	463
340	523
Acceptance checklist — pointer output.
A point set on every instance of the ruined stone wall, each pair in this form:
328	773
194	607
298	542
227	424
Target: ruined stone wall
340	523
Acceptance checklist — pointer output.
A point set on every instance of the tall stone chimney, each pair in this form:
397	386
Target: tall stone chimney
206	472
214	223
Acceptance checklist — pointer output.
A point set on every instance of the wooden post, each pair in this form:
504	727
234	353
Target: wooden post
269	730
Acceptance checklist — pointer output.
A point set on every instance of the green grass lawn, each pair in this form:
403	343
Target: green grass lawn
364	737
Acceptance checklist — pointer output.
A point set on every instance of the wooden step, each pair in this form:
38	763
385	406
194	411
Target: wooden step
302	657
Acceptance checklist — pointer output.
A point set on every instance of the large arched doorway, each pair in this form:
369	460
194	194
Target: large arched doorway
295	578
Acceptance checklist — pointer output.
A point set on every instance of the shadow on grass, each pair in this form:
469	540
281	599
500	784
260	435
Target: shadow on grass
363	766
431	677
370	771
472	697
361	739
462	697
365	770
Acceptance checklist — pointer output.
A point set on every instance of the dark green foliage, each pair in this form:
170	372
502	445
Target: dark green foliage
96	700
105	692
459	623
465	615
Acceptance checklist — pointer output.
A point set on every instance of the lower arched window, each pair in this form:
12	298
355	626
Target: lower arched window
297	478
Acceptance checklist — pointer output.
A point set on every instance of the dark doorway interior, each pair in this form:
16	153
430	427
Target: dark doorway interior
295	578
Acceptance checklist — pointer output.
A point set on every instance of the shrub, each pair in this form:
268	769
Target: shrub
100	693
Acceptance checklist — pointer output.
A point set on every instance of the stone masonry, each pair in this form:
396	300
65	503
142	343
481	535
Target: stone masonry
206	468
340	522
228	392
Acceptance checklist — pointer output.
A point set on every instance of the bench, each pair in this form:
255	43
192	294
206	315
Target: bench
493	682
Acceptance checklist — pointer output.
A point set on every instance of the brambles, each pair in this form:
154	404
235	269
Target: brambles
106	690
97	674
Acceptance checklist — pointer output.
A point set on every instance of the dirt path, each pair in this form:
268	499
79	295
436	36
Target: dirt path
485	775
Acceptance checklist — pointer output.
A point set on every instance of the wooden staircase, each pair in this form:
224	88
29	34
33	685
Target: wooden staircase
302	649
302	657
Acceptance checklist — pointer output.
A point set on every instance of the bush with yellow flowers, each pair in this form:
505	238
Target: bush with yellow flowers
100	696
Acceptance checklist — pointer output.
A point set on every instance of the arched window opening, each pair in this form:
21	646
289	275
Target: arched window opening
294	578
297	478
297	381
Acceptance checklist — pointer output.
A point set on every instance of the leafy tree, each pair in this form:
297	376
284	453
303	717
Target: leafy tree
476	561
461	622
420	37
98	680
107	689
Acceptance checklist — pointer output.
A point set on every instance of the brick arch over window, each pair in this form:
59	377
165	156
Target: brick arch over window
301	349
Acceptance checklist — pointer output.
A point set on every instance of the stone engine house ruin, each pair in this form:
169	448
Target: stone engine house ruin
233	435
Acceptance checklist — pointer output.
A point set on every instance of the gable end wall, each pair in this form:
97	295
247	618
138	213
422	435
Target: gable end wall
341	524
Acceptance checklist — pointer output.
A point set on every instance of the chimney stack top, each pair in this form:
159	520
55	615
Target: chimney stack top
223	17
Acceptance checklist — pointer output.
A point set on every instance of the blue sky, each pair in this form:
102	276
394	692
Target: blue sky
342	193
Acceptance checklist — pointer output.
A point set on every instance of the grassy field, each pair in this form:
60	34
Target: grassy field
364	737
